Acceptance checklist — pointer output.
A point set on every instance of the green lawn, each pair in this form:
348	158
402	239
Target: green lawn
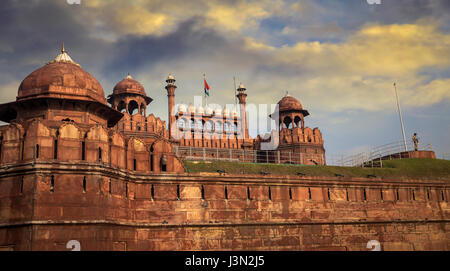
412	168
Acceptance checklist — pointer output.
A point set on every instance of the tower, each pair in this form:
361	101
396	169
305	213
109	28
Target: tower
129	95
242	96
170	87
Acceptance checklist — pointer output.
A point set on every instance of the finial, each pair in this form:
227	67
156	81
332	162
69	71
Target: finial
63	50
129	76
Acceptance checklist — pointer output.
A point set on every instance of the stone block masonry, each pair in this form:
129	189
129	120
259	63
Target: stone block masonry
44	205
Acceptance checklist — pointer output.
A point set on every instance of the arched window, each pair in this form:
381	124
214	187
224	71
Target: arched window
99	154
218	127
191	124
297	121
199	125
83	150
287	122
132	106
37	151
227	127
121	107
209	125
181	123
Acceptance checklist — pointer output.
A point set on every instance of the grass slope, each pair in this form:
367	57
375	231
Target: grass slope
410	168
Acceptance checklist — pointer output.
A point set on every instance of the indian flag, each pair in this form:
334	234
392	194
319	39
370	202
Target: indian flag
206	87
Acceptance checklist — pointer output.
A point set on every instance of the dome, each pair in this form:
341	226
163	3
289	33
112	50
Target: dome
170	77
61	78
218	111
200	110
182	108
234	113
226	112
191	108
208	110
129	85
289	103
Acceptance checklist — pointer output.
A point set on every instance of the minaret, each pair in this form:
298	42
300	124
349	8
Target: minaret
170	87
242	97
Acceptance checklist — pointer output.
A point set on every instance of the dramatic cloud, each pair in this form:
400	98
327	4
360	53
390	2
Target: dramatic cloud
336	57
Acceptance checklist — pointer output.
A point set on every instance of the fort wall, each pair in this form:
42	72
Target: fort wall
44	205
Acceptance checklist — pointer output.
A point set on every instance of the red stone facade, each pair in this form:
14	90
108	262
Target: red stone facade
45	204
74	168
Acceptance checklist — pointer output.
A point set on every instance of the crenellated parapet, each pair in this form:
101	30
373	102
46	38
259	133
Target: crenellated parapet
68	141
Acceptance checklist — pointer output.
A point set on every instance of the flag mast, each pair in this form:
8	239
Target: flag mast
235	94
401	119
204	92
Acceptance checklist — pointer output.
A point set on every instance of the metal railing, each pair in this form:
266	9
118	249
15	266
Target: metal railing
374	157
249	156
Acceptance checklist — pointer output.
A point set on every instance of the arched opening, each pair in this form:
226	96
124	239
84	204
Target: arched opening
55	146
142	109
218	127
297	121
181	124
132	106
287	121
151	159
121	107
163	163
191	124
209	126
99	154
37	151
52	184
199	125
83	150
23	146
227	127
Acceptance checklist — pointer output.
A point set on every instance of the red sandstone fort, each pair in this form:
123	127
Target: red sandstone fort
112	177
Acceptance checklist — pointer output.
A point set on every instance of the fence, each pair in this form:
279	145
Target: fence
372	158
375	156
249	156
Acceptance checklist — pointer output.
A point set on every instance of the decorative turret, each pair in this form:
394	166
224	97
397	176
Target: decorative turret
242	102
129	95
170	87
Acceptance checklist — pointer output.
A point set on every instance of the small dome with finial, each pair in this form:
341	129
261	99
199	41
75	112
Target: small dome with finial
218	111
241	87
182	108
63	57
208	110
200	109
170	79
191	108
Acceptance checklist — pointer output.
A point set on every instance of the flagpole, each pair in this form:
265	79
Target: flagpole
235	94
204	92
401	119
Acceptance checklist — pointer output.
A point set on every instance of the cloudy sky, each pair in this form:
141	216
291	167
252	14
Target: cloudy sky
339	58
